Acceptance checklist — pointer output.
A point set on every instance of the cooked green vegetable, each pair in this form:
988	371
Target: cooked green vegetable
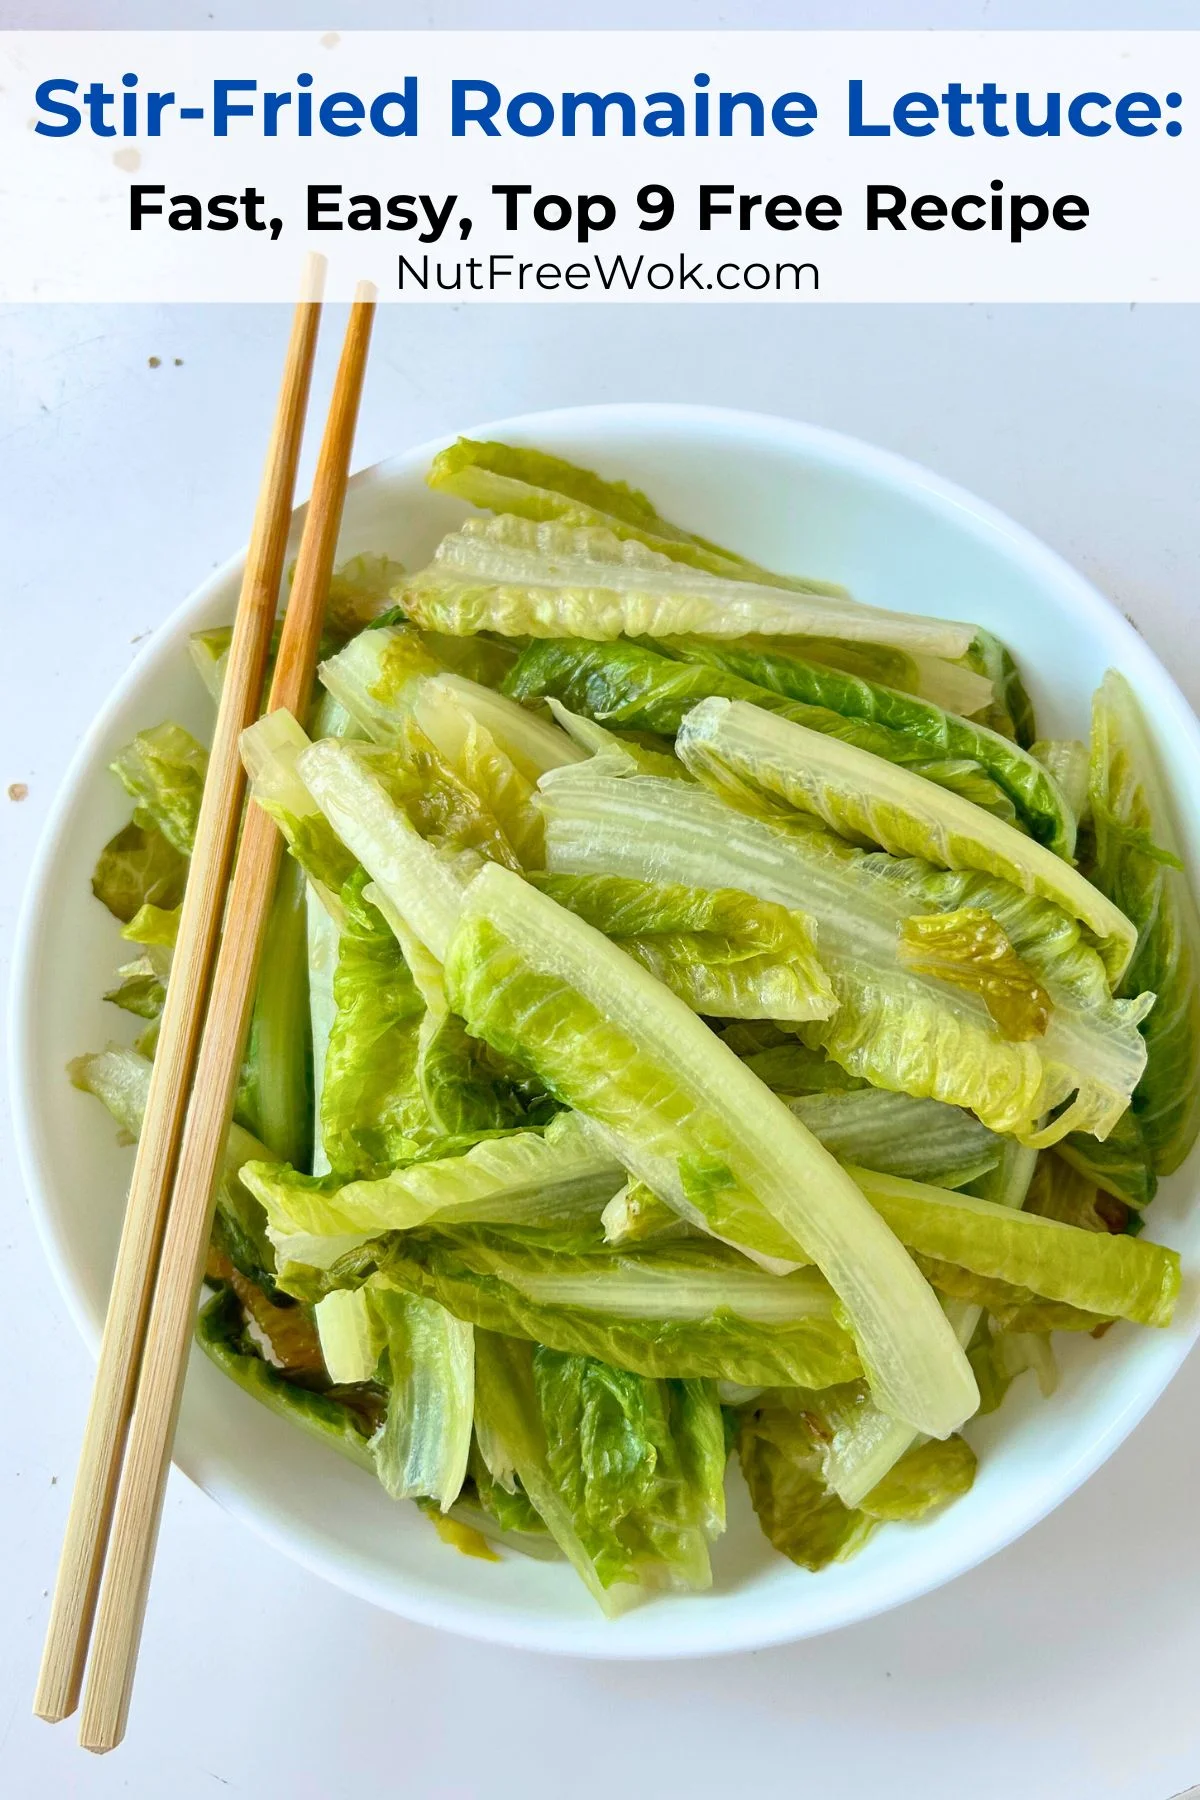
1037	798
892	1026
679	977
969	949
520	1177
596	1454
635	686
523	579
1011	711
743	750
680	1308
722	952
686	1116
531	485
1137	865
421	1448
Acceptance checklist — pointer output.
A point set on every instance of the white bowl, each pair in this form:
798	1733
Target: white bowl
793	497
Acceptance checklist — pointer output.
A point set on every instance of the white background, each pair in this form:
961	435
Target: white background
1066	1669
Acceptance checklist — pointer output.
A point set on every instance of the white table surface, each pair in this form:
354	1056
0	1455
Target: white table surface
1067	1668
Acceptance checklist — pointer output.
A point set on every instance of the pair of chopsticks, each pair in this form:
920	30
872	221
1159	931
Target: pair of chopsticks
112	1528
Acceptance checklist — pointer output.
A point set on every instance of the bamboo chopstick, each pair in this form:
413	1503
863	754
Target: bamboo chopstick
88	1522
147	1457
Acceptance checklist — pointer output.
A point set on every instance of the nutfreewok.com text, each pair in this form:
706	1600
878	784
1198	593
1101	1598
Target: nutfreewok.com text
505	274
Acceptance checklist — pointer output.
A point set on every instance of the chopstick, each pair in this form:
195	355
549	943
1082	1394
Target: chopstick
88	1521
138	1509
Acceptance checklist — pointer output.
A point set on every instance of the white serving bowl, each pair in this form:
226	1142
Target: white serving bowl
792	497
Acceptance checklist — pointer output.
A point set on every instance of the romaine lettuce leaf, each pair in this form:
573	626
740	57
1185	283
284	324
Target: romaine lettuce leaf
640	1465
1062	1191
636	686
331	1419
372	1109
724	953
1118	1277
1011	711
350	1333
271	749
969	949
635	1213
998	1355
156	926
780	1449
898	1029
1066	761
120	1079
947	684
511	1430
142	983
686	1308
742	750
1040	804
523	579
898	1135
927	1476
504	478
863	1444
275	1093
787	1065
137	868
1137	866
354	787
285	1328
421	1448
520	1177
164	769
1120	1165
685	1115
385	676
359	590
322	941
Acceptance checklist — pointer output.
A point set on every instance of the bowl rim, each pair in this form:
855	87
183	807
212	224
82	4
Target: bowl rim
732	1633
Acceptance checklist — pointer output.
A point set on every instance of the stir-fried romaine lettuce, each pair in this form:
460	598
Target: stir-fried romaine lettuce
782	1443
622	1474
1118	1277
893	1026
163	770
1121	1165
722	952
685	1115
1011	710
1039	802
899	1135
275	1096
662	1054
351	1335
523	579
137	868
371	1108
386	676
519	1177
1059	1190
744	751
504	478
687	1307
636	686
1137	864
421	1448
342	1422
